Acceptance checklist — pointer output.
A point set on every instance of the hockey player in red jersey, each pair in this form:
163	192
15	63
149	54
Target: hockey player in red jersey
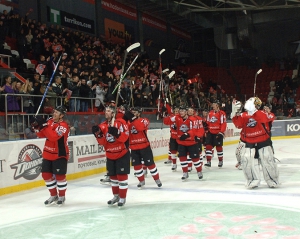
186	142
199	133
216	121
257	138
113	134
173	145
55	153
140	146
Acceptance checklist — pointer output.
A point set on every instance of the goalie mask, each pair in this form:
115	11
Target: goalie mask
252	105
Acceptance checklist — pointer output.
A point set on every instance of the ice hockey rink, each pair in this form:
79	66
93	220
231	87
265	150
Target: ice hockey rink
218	206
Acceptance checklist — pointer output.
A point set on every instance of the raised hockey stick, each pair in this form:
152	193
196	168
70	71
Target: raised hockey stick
257	73
160	84
46	90
118	86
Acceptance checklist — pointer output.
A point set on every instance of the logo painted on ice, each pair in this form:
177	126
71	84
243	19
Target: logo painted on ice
251	123
213	119
184	128
29	163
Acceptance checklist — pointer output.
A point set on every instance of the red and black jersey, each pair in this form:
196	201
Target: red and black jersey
271	117
120	114
138	134
56	145
198	125
173	127
184	126
114	147
253	127
216	121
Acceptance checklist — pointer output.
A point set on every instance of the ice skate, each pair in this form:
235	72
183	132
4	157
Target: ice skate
208	164
105	180
114	200
121	202
220	164
158	182
61	201
200	175
174	167
51	200
168	162
184	177
141	184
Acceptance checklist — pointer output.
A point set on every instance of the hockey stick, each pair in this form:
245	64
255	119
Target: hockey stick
130	48
46	90
257	73
160	84
170	76
122	78
160	95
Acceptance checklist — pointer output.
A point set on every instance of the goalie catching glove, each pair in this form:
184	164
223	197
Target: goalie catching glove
236	108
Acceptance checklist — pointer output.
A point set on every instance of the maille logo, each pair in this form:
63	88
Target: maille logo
29	163
293	127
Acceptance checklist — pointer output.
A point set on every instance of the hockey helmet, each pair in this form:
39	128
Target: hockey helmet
138	109
268	106
61	109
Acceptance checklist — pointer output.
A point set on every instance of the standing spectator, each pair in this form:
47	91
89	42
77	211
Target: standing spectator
113	134
58	87
84	92
27	89
100	96
74	86
12	102
55	154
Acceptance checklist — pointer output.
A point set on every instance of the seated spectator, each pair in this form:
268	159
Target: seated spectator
29	133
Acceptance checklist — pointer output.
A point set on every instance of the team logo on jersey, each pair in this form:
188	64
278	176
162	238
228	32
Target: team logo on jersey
184	128
29	162
213	119
251	123
110	138
133	130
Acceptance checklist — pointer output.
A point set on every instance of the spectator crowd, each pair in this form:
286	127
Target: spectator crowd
90	69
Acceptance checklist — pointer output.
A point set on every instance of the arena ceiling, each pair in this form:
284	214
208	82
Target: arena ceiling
193	15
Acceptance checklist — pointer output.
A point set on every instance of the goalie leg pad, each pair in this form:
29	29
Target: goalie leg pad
269	166
239	150
250	168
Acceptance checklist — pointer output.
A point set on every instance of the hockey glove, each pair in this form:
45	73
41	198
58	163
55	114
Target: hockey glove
114	131
97	131
129	116
220	134
38	122
198	139
184	136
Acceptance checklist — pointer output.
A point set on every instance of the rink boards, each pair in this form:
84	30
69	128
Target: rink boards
20	161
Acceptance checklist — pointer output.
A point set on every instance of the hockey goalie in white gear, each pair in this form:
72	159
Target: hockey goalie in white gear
255	136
